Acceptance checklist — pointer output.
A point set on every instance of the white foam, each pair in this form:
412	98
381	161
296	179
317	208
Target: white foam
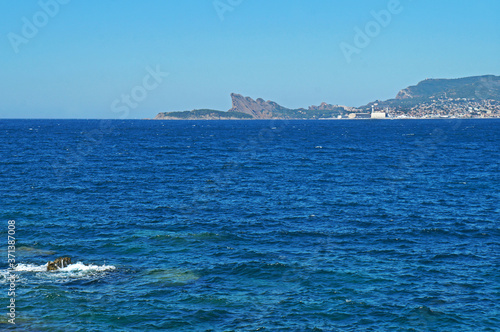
39	273
30	268
77	267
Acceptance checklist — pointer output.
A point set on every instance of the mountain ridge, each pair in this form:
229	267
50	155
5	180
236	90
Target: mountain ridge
455	86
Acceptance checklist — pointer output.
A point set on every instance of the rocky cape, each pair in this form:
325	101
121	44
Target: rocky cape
477	96
250	109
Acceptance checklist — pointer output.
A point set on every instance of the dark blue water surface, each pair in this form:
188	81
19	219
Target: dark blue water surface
253	225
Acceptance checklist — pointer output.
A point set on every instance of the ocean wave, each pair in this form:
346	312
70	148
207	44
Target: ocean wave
31	272
76	267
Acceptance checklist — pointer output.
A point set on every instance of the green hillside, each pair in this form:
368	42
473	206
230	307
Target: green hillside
477	87
203	114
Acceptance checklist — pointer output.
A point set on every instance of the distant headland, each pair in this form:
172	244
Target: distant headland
469	97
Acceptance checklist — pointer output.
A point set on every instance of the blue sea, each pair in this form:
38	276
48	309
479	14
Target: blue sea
359	225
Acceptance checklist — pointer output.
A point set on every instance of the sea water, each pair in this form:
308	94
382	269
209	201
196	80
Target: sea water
359	225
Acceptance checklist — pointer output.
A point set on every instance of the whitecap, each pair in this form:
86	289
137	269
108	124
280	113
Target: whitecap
30	268
71	272
80	267
76	267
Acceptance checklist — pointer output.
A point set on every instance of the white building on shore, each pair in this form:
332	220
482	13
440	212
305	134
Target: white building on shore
377	114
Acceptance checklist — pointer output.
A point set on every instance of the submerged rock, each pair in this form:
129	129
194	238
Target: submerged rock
171	276
24	250
58	263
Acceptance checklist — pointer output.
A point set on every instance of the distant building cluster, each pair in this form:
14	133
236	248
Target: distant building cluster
448	108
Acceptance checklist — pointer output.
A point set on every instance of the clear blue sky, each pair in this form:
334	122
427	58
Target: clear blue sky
87	55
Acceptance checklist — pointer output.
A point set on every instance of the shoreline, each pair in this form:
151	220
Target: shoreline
272	119
324	119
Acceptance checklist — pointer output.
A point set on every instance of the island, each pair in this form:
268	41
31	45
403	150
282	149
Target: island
469	97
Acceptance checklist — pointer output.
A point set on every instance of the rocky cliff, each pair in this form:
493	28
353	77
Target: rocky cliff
258	109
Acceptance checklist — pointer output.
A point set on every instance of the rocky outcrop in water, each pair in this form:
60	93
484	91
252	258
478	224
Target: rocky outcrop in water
58	263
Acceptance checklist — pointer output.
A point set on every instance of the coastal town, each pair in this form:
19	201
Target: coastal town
443	108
